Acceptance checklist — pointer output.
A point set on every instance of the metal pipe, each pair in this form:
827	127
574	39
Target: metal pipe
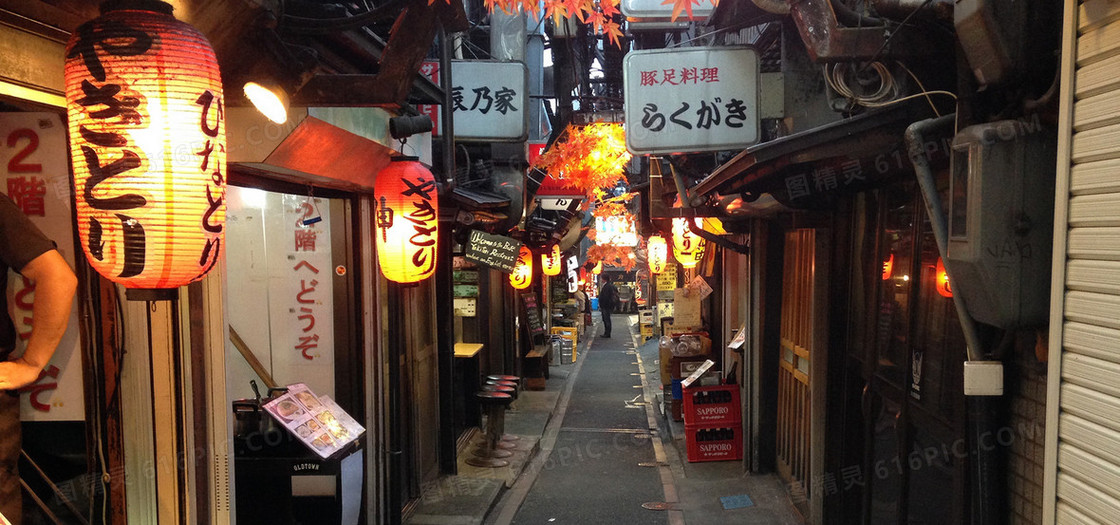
686	204
395	339
916	149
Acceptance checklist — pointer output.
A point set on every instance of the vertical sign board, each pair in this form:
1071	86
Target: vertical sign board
490	100
430	69
33	166
689	100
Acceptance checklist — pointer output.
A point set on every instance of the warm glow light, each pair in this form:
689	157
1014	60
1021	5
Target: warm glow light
522	275
550	261
147	135
888	267
618	230
688	248
942	279
272	103
598	268
407	220
657	252
587	157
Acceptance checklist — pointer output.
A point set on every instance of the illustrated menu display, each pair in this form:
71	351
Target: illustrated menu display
317	421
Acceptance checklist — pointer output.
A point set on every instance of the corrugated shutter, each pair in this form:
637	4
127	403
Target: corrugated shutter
1083	449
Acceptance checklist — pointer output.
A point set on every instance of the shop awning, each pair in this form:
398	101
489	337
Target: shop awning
802	169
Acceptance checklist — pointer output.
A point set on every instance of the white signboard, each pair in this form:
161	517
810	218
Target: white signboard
34	174
660	9
688	100
490	100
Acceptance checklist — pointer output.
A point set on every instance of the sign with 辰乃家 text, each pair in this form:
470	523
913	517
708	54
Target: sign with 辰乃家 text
688	100
494	251
490	100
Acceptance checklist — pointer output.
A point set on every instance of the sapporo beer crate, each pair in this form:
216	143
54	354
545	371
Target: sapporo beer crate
714	442
711	405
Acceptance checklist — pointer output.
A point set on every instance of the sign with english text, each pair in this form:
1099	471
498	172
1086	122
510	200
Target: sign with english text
490	100
690	100
493	251
35	176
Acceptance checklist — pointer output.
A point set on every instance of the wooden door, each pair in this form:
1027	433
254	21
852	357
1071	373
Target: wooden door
795	410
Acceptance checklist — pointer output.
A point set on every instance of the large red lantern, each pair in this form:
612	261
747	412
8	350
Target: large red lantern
407	220
147	135
688	248
551	261
522	275
657	252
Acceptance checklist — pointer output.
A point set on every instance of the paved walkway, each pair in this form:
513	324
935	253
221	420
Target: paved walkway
595	448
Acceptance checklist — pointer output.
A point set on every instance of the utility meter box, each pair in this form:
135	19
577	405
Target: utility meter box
1001	221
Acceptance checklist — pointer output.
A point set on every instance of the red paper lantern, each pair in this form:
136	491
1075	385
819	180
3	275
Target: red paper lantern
522	275
550	261
147	135
688	248
657	252
407	220
942	279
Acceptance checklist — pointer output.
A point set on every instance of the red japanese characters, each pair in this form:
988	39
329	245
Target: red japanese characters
147	135
407	220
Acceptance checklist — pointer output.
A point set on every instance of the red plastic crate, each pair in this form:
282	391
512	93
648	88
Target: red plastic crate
713	442
712	405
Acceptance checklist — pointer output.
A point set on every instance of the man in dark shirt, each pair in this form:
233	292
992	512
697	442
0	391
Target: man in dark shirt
26	250
608	301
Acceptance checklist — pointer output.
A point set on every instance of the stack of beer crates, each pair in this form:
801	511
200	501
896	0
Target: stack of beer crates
712	423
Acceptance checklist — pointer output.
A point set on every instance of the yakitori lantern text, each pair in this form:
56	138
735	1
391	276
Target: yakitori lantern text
522	275
407	220
688	248
551	261
657	252
147	136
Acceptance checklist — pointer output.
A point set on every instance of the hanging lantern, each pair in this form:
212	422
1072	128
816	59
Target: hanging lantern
522	275
407	220
657	252
888	267
550	261
688	248
598	269
942	279
147	134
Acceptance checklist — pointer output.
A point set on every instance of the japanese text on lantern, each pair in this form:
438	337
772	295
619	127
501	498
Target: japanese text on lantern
422	216
212	114
306	299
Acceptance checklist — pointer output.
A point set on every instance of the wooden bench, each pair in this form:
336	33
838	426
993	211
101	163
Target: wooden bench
536	366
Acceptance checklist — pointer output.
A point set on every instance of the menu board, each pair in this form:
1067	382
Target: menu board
317	421
532	314
495	251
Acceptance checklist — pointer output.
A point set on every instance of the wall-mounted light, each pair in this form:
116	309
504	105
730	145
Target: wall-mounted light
408	125
942	279
270	98
147	133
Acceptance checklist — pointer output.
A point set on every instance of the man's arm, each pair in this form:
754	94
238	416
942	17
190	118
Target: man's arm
55	285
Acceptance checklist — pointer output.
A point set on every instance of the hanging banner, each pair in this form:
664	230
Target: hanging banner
33	166
490	100
689	100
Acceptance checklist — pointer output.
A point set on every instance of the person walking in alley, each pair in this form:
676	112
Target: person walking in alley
26	250
608	301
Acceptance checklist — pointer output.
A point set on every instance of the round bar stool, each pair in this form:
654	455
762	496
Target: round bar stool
494	403
507	384
500	377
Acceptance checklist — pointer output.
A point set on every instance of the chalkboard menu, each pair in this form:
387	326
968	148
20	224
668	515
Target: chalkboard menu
495	251
532	314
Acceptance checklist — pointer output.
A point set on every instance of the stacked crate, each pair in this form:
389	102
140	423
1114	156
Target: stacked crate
713	423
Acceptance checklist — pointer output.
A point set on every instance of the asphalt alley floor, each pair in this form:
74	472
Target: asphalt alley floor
609	455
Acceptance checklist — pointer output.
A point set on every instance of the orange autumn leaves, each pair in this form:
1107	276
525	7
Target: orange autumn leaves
587	157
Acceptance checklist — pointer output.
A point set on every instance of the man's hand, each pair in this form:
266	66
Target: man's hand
17	374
